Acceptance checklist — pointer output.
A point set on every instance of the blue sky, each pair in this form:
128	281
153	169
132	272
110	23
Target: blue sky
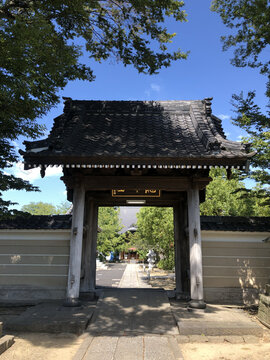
206	73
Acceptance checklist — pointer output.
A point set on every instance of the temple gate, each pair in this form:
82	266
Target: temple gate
155	153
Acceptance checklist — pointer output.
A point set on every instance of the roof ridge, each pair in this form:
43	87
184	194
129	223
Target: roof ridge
207	137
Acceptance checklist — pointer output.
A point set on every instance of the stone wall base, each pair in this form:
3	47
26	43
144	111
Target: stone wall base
264	307
235	296
29	294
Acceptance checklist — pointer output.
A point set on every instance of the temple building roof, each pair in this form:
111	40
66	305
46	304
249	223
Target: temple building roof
140	133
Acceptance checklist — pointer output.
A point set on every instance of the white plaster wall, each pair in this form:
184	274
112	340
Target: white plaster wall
33	264
236	265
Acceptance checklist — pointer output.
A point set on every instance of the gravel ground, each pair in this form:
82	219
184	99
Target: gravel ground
33	346
161	279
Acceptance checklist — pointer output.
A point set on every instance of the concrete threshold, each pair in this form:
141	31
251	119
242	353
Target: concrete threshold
215	320
52	317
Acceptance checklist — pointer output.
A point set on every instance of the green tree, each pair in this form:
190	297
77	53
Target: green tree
41	43
156	231
260	200
41	208
257	125
230	197
109	238
250	38
63	207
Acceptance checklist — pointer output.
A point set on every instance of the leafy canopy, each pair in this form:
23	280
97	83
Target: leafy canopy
230	197
155	230
41	47
109	238
257	125
41	208
249	21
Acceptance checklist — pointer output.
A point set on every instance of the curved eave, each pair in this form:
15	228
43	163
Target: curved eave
230	160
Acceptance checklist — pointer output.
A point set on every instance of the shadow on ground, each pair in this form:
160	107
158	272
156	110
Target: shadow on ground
137	311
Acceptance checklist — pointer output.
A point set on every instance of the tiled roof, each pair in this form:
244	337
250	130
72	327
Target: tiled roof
235	223
36	222
210	223
117	131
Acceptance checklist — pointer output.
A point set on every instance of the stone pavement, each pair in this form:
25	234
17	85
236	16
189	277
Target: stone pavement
131	324
123	312
138	322
129	348
111	276
131	278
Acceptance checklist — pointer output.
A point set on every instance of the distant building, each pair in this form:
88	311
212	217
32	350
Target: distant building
131	253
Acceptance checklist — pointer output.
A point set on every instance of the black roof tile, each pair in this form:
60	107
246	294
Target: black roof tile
134	129
235	223
37	222
210	223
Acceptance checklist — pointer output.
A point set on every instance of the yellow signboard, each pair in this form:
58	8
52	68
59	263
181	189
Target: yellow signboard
136	193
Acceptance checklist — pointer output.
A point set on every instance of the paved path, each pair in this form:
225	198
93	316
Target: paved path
131	324
131	278
111	276
133	311
129	348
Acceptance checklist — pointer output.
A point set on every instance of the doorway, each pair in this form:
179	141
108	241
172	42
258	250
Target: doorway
121	252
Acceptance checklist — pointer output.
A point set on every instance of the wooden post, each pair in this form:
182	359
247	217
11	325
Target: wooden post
177	252
88	283
73	287
195	244
185	248
181	251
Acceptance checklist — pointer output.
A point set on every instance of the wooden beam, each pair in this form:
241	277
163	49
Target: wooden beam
73	286
195	243
104	198
169	183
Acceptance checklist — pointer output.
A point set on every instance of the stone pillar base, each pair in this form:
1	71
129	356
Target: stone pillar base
182	296
88	295
197	304
71	302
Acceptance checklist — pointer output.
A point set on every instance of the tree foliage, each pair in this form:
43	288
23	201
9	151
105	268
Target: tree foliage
109	238
257	125
41	46
155	230
41	208
249	22
230	197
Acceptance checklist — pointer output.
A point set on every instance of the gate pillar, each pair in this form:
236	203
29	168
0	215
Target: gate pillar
195	245
88	281
177	252
75	256
181	251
